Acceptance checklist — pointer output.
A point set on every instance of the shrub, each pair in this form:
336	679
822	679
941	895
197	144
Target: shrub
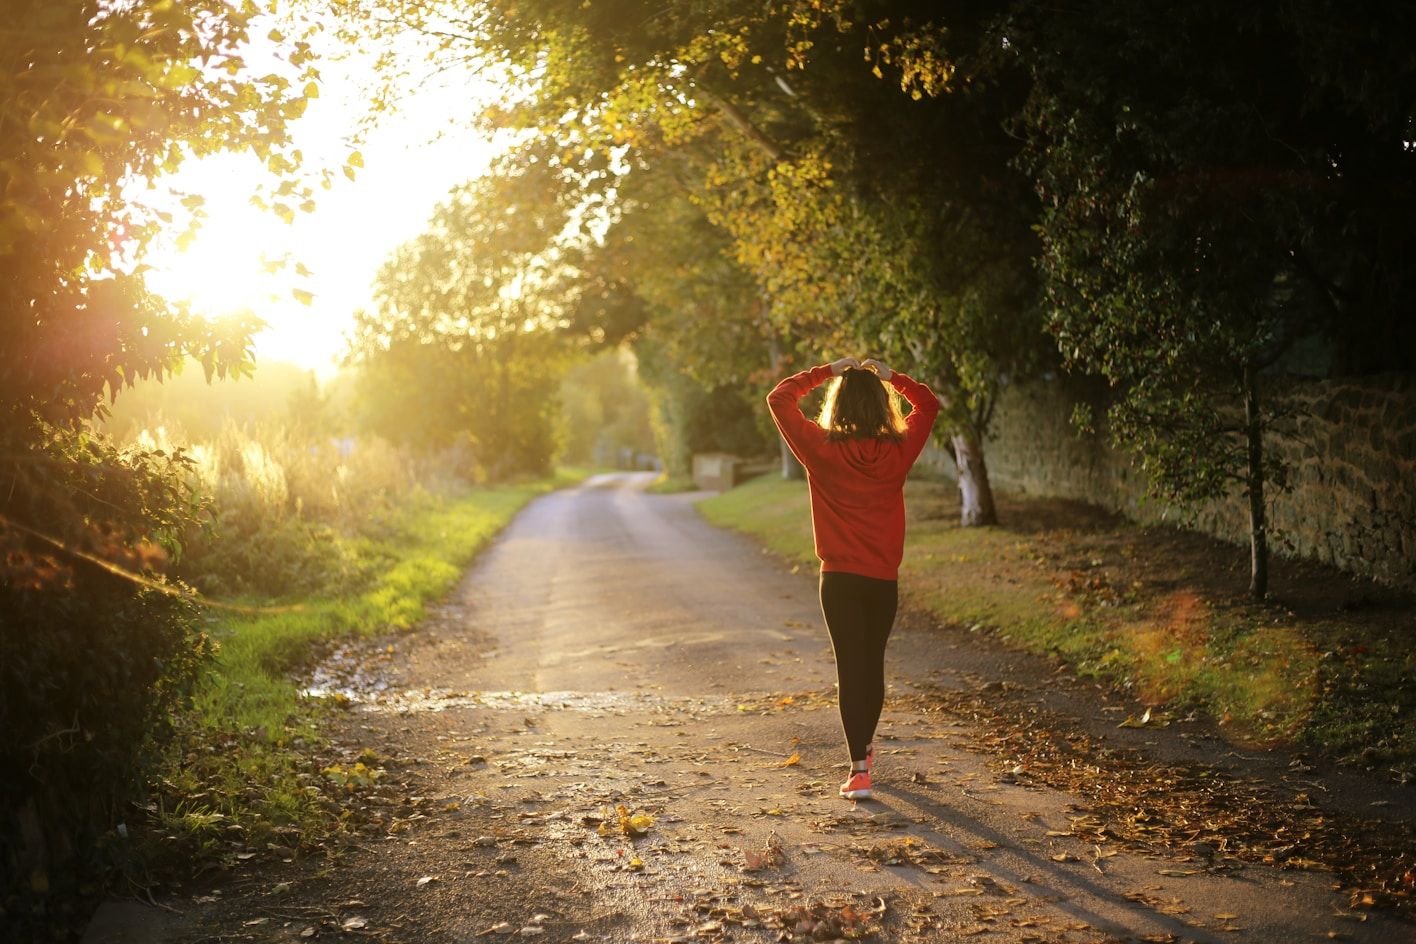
89	676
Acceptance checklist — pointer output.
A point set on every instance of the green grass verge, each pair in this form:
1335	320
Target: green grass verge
241	763
1156	611
667	484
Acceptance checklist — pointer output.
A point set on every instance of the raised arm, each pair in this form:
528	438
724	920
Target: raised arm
803	437
924	407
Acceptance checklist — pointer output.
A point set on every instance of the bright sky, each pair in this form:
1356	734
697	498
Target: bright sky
408	168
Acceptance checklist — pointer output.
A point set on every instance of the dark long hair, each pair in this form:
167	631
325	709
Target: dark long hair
859	406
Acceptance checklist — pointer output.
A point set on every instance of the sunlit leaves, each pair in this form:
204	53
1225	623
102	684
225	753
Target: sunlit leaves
858	216
480	302
103	103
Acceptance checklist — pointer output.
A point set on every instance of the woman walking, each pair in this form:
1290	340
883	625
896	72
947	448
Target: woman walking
856	456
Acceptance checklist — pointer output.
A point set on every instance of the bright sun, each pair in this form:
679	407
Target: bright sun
411	161
221	271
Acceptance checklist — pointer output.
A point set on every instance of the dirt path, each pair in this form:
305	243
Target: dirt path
612	650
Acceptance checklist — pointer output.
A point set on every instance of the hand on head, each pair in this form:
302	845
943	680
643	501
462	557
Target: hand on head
841	366
871	363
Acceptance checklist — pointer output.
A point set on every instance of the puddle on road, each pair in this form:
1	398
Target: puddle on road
441	699
357	677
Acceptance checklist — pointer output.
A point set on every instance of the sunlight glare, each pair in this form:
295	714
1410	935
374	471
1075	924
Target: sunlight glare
411	160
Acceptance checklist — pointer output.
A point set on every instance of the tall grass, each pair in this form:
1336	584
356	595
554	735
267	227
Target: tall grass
293	510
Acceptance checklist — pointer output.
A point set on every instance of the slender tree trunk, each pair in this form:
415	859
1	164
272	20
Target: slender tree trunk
1258	526
791	468
975	492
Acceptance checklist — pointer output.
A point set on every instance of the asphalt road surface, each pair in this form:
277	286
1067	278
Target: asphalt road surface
611	649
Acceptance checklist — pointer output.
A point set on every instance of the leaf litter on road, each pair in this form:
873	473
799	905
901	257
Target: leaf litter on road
1203	814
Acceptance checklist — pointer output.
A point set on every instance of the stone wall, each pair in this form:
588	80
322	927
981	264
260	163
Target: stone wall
1350	446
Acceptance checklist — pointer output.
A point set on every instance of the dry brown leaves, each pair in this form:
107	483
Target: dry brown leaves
825	920
1203	813
911	851
804	700
828	919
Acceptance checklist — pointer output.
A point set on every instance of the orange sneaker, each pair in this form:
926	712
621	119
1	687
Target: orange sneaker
858	787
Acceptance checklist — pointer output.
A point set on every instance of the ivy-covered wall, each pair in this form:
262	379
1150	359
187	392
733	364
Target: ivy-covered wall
1350	446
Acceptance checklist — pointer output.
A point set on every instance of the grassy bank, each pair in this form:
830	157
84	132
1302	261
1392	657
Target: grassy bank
244	775
667	484
1158	611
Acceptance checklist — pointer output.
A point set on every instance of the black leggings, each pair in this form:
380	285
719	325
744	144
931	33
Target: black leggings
859	611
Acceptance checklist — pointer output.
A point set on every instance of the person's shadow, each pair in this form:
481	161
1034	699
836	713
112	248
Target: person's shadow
1067	890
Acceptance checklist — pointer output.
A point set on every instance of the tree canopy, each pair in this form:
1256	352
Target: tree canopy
1191	235
981	192
95	100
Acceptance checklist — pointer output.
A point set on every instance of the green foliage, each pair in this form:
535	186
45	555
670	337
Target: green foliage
690	416
95	99
706	346
89	675
1192	235
889	223
848	213
468	343
604	411
704	316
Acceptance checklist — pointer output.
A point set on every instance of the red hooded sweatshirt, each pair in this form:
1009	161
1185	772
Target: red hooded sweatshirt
857	485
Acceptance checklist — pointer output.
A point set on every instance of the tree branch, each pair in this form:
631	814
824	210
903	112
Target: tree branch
741	123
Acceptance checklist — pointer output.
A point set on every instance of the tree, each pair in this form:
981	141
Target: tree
780	130
899	218
96	98
1209	179
605	411
706	345
467	344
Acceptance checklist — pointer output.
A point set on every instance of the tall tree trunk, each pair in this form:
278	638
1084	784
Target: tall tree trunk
975	492
1258	526
791	468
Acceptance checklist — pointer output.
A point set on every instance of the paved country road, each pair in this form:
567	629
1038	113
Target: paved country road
611	649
